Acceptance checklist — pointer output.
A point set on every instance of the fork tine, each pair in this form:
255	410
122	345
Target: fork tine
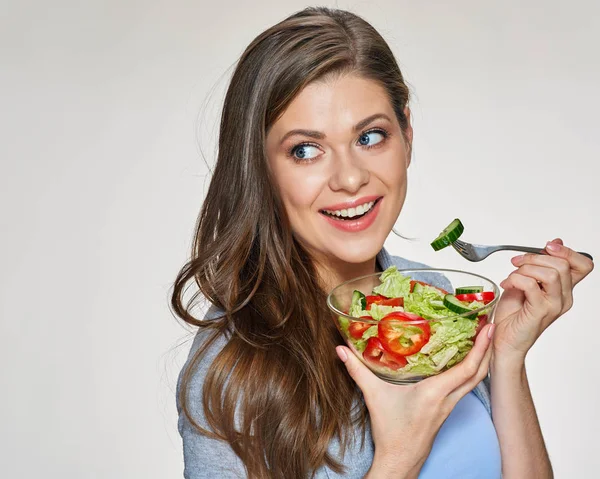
459	247
461	251
466	253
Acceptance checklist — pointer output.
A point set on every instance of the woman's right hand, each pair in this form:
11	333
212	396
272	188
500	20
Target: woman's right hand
406	418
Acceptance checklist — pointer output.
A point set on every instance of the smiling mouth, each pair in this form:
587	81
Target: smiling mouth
352	214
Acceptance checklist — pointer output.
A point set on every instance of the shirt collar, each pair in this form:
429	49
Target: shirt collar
384	259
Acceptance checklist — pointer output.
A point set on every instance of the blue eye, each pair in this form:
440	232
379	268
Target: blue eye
366	141
302	152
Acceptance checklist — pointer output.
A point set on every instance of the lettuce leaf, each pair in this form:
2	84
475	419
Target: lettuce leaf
419	364
443	356
463	349
393	284
427	305
450	332
378	311
344	324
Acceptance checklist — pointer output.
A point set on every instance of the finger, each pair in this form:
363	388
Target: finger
580	265
471	384
561	265
529	286
464	371
557	240
363	377
546	277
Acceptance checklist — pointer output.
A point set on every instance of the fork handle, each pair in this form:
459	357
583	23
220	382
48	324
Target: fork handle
527	249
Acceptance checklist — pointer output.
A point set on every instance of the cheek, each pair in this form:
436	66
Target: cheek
300	188
391	168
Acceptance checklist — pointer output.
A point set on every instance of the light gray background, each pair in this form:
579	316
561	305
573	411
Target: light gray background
101	180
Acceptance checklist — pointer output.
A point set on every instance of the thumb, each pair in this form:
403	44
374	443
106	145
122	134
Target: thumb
361	374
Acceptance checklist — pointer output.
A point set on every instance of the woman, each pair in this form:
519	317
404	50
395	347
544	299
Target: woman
316	121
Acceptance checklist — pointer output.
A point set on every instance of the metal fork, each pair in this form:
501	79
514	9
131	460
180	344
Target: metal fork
477	252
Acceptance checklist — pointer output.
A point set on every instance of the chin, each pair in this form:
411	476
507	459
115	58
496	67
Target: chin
357	252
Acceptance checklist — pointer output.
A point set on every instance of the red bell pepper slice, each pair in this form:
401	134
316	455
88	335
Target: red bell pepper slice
357	328
485	297
376	355
403	334
382	300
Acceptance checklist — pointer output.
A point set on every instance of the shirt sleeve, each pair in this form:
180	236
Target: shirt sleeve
204	457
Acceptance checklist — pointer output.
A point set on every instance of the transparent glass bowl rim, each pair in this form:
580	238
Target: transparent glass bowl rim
489	305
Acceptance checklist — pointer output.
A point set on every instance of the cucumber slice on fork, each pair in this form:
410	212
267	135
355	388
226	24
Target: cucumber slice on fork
451	233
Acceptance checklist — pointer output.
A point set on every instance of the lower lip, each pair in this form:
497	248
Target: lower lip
353	226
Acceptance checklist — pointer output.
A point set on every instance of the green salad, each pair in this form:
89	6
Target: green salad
413	328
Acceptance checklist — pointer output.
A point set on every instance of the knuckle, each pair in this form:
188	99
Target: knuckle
564	266
553	275
528	258
523	270
469	369
531	284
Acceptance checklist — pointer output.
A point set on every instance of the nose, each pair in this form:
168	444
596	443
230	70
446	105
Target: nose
348	173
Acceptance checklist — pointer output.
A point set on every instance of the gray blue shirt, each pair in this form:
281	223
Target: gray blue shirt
466	447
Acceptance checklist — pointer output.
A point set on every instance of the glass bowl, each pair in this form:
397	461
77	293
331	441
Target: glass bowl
405	348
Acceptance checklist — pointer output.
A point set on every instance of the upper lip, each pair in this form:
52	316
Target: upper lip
352	203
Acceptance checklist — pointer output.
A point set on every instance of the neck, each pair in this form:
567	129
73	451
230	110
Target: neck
335	272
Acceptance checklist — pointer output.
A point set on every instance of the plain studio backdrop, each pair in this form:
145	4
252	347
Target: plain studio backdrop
106	108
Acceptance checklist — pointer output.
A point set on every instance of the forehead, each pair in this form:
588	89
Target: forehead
334	105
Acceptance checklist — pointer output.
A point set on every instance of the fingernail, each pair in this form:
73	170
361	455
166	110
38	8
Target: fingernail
341	354
553	247
491	331
518	259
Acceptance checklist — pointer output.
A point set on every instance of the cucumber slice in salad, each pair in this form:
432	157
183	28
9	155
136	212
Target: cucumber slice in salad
456	305
469	289
358	297
451	233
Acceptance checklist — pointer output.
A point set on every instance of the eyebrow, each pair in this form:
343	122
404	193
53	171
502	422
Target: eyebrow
320	135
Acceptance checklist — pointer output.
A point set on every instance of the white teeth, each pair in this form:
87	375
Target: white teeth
352	212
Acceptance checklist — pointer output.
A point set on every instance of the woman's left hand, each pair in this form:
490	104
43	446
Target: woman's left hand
535	295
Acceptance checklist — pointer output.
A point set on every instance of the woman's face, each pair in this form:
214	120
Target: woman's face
351	157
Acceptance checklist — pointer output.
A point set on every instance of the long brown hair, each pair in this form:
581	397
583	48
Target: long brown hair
278	370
